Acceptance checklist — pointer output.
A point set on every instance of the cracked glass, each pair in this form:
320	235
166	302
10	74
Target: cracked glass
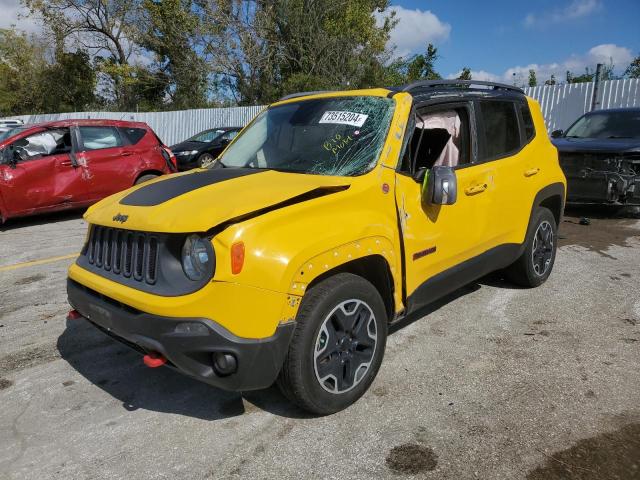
341	136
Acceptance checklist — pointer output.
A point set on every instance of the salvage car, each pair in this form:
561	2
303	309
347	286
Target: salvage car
202	149
600	156
69	164
330	218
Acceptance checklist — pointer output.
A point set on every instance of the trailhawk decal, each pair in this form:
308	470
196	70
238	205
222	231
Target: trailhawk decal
344	118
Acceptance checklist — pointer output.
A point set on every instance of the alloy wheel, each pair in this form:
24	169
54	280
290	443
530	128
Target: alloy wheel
345	346
542	252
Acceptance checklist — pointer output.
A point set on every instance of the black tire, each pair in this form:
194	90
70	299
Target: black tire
145	178
533	268
326	304
205	160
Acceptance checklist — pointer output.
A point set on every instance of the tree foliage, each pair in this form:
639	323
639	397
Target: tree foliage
533	80
633	70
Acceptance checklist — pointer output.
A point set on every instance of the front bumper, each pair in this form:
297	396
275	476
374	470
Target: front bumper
187	162
190	349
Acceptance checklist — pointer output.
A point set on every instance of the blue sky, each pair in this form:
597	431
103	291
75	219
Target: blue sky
497	38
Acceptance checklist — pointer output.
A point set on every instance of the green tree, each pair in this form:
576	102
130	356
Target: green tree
22	61
533	81
68	85
105	29
633	70
422	66
465	74
261	50
170	32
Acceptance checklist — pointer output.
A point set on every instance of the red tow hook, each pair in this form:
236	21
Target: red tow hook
74	315
154	360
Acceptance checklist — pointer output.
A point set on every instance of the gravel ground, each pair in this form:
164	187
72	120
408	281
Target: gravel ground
494	382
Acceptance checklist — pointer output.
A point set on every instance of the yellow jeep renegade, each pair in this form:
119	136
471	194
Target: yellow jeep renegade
330	217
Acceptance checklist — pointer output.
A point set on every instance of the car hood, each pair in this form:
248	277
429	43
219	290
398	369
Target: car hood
188	146
595	145
200	200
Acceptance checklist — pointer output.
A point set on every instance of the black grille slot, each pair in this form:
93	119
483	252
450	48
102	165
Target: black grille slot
125	253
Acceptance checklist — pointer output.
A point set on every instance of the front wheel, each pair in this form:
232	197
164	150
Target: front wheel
337	346
536	262
205	160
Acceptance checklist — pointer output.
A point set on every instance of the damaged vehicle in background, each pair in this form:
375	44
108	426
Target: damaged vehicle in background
202	149
600	156
74	163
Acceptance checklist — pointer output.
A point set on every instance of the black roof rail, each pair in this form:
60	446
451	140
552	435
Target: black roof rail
302	94
426	84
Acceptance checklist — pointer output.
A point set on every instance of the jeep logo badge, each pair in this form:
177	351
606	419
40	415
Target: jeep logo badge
120	218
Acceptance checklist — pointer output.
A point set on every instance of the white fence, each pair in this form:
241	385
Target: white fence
561	106
171	127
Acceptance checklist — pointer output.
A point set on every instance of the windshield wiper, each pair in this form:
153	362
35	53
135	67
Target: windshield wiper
617	136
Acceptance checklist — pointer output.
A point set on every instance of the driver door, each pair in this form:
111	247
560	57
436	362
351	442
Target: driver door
43	176
438	239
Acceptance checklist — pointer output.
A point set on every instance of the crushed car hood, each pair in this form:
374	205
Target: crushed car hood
596	145
199	200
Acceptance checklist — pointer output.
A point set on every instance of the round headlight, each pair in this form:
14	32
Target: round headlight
197	257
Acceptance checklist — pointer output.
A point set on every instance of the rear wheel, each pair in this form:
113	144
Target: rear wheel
145	178
536	262
337	346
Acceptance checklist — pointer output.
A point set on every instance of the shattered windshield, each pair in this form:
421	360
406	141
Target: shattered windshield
607	125
340	136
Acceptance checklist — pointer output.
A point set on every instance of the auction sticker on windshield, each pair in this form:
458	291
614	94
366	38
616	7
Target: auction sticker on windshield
344	118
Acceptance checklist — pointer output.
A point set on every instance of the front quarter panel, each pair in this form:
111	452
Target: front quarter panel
287	249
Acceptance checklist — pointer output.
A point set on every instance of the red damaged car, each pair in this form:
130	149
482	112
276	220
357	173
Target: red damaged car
73	163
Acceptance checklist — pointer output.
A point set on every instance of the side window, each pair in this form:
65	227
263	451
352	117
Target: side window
502	135
132	135
229	135
43	144
97	138
527	122
440	137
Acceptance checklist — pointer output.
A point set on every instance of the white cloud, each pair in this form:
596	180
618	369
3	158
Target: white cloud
605	53
415	29
13	14
576	9
478	75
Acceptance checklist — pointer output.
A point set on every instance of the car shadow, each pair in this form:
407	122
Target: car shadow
41	219
119	371
602	211
432	307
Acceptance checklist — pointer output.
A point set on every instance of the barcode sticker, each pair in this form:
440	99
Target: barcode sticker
344	118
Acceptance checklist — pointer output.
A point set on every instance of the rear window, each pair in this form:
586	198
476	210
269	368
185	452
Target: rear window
133	135
527	121
502	135
97	138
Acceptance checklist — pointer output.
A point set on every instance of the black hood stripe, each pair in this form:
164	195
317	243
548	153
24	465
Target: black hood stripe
163	191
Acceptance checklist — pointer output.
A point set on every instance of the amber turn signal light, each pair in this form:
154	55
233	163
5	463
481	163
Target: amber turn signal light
237	257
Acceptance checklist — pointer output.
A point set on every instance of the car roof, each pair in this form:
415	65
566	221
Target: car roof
424	89
83	122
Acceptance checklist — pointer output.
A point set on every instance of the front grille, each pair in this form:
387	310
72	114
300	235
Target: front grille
128	254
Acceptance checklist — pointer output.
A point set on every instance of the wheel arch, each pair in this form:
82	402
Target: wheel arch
551	197
147	172
373	268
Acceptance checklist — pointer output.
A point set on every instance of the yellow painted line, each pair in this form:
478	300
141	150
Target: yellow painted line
37	262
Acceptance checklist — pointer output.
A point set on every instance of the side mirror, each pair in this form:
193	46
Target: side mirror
557	133
224	142
441	187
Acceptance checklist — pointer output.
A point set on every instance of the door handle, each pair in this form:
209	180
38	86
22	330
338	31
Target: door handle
475	189
531	172
126	154
66	163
